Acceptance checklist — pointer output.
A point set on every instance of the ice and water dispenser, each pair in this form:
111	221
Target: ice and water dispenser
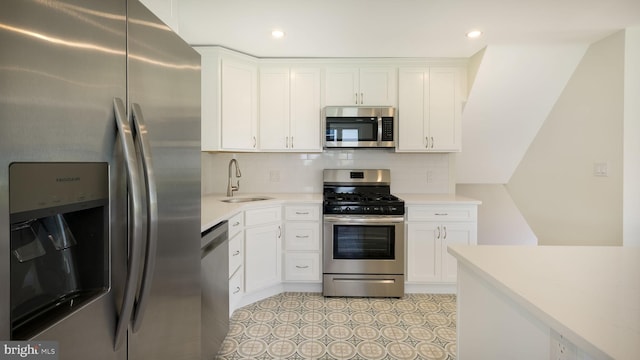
59	215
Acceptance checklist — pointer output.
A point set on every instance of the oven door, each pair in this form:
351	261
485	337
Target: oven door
363	244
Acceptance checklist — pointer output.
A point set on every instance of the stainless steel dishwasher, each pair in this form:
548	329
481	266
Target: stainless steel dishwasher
214	255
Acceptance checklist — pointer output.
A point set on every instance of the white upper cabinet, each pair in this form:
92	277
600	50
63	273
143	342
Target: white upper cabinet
375	86
289	109
229	100
429	109
239	105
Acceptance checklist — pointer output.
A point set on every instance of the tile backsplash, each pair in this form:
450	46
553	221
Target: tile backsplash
302	173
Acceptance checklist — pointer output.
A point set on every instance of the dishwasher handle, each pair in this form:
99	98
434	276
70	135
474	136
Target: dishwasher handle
213	237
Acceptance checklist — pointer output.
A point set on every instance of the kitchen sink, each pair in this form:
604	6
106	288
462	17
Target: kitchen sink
245	199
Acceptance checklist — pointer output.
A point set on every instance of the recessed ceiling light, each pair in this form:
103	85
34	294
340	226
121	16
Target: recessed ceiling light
474	34
277	34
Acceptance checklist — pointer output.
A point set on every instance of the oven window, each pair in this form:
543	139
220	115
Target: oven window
365	242
352	129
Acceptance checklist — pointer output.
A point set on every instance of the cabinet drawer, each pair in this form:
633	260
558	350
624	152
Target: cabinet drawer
263	216
236	223
302	267
442	213
235	254
235	287
302	212
302	236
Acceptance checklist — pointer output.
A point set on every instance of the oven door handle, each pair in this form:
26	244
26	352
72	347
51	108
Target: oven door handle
357	220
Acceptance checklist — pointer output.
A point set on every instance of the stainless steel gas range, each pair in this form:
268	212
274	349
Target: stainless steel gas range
363	235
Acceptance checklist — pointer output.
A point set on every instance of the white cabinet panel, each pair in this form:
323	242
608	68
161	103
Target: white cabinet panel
239	105
236	224
262	256
305	108
302	267
430	230
374	86
429	109
304	236
235	253
302	213
263	215
423	261
290	109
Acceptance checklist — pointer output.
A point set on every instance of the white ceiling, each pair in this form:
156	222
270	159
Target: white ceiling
397	28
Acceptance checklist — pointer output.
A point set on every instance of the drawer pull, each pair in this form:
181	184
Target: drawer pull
236	253
236	223
302	236
302	267
237	290
441	214
302	213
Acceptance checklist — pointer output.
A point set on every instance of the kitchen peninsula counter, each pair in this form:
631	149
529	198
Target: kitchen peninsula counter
512	300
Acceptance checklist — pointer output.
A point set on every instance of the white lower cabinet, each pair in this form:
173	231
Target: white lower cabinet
430	229
263	243
302	243
236	260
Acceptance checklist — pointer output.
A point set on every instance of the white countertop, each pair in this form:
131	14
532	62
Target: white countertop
589	294
214	210
435	199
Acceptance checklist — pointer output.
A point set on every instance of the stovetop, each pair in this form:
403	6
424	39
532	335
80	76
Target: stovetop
360	192
362	203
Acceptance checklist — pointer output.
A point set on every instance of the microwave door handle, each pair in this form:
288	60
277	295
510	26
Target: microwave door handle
379	130
152	215
134	226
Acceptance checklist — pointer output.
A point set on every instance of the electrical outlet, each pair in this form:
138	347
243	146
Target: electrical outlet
429	176
561	348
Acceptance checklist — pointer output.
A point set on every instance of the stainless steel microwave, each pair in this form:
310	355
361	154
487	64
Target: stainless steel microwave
359	127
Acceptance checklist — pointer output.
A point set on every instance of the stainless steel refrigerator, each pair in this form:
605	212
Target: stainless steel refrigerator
99	181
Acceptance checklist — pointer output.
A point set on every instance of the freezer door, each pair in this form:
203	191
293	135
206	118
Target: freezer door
61	65
164	97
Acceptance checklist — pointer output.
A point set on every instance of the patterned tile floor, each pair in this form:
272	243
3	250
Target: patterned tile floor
310	326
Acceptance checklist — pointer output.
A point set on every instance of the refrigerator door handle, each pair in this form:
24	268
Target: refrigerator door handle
152	215
135	223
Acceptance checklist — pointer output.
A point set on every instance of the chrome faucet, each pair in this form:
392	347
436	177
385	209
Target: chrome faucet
230	187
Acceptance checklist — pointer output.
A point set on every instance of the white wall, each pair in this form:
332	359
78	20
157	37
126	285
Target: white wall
499	220
513	92
631	202
302	173
554	185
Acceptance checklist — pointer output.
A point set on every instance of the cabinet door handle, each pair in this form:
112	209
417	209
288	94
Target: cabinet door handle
432	142
361	98
302	267
355	96
445	232
286	142
426	140
255	142
236	253
438	237
292	142
302	236
302	213
237	290
279	231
